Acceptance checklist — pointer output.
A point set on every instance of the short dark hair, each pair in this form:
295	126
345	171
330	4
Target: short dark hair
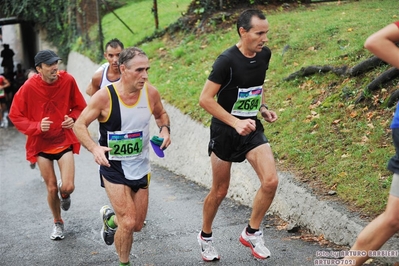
244	20
128	54
114	43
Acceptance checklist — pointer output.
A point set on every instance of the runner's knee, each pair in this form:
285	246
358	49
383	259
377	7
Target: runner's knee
392	220
270	184
128	225
220	193
138	227
68	188
52	189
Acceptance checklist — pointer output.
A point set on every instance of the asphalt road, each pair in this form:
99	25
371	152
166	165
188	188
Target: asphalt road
169	238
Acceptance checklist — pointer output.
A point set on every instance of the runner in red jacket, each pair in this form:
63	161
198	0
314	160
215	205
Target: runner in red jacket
45	109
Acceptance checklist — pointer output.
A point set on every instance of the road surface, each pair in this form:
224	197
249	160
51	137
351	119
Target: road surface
169	238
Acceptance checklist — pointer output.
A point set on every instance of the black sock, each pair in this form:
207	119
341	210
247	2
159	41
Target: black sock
250	230
205	235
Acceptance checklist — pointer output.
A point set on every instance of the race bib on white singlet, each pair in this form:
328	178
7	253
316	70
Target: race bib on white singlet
125	145
248	101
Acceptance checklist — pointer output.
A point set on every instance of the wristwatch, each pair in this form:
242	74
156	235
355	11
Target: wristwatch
160	128
263	105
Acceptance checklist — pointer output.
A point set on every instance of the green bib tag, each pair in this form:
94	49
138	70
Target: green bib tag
248	102
125	145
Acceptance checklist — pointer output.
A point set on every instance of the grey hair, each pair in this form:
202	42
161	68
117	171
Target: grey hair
129	53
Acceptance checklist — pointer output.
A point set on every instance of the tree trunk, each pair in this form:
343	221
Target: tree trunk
382	79
365	66
357	70
310	70
393	99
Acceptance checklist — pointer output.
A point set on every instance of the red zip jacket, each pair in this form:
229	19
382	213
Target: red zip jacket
37	99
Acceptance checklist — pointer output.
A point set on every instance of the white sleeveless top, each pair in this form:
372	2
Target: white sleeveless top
104	80
126	131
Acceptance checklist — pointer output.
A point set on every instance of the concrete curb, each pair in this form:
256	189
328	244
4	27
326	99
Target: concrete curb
187	156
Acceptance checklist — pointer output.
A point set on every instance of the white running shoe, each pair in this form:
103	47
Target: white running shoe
208	251
256	243
58	231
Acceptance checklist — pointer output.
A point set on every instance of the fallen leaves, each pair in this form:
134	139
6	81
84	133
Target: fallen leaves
353	114
312	238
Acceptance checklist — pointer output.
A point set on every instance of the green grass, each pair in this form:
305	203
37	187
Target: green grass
321	135
140	19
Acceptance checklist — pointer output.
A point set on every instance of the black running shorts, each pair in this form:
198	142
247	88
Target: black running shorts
55	156
229	146
135	185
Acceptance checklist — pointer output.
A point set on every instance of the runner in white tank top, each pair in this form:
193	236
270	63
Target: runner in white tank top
123	110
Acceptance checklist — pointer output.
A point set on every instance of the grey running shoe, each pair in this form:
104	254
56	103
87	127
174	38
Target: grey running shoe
65	202
107	233
58	231
256	243
208	251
